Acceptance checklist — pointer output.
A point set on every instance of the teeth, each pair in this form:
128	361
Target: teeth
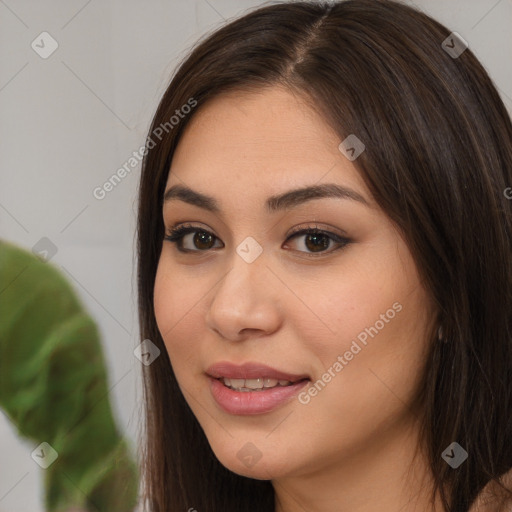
236	383
253	384
270	383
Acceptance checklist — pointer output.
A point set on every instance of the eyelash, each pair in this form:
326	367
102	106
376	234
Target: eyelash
176	234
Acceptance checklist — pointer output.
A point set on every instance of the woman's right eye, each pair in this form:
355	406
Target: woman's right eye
200	241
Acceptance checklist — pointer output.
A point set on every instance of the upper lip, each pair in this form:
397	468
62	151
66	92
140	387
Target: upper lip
250	371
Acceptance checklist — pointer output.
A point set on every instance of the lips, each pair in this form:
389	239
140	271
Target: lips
251	371
228	386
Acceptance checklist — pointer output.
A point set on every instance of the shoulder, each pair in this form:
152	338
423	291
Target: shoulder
493	498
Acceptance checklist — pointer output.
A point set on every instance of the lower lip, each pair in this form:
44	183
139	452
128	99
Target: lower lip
252	402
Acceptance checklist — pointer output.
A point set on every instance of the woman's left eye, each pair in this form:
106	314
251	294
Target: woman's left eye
314	240
317	240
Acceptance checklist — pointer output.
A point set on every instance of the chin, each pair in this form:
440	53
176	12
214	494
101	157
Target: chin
249	461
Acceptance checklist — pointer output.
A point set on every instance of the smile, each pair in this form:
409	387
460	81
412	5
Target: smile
252	387
242	397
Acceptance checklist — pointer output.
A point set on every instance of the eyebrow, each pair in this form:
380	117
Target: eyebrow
284	201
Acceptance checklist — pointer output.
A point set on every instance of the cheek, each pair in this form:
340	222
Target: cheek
164	300
377	317
374	384
343	310
175	305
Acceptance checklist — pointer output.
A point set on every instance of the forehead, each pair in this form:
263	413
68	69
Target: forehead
267	119
265	140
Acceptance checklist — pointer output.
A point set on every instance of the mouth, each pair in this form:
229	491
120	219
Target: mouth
252	388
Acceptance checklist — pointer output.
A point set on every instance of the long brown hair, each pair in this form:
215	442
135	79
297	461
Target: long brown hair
438	161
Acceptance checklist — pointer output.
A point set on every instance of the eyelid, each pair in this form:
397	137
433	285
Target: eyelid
294	231
318	227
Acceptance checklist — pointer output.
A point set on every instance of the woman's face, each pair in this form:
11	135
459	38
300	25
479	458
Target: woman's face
349	314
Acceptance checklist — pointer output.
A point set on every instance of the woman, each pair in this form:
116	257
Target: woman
324	242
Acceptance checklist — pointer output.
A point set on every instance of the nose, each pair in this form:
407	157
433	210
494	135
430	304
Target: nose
243	304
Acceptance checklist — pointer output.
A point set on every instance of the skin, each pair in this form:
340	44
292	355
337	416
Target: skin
351	447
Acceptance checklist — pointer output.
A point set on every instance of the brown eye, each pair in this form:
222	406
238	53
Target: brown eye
201	240
315	240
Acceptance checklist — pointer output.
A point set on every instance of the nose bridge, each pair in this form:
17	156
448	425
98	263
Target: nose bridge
241	299
247	264
244	278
